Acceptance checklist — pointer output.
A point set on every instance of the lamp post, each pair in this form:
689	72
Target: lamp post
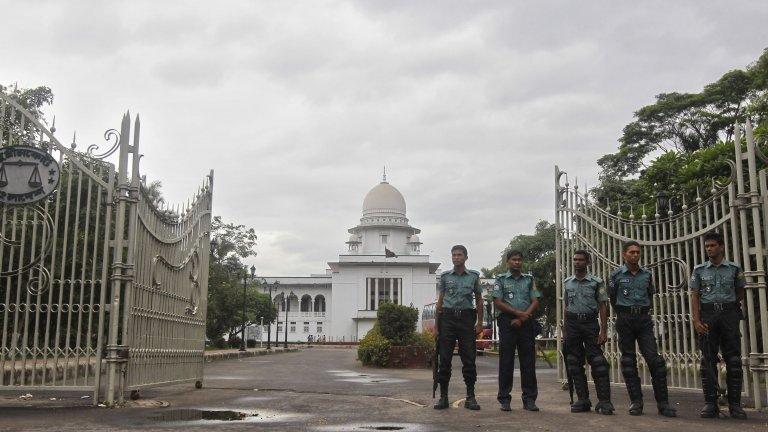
245	283
287	301
214	245
269	324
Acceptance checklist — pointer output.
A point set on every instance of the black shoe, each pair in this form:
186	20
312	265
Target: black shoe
737	412
604	407
583	405
666	410
636	408
442	403
505	406
530	406
710	410
471	403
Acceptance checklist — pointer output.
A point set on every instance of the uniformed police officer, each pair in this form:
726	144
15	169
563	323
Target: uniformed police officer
459	320
585	299
516	298
717	291
630	288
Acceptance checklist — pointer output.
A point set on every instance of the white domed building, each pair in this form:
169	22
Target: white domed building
383	262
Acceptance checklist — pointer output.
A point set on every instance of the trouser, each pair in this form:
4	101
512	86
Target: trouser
521	340
724	336
457	325
582	342
639	328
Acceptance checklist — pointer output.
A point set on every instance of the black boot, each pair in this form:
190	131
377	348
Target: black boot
603	389
583	404
471	403
710	409
635	395
662	397
443	402
734	379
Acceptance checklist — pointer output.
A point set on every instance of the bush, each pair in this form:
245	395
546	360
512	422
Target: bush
424	340
397	323
374	349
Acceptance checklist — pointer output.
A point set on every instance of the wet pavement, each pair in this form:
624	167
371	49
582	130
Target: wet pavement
327	390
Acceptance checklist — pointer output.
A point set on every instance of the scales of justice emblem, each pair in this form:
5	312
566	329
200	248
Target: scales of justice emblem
27	175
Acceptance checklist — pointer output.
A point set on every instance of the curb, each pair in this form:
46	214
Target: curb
229	355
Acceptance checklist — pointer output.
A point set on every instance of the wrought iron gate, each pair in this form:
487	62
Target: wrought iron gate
92	272
672	244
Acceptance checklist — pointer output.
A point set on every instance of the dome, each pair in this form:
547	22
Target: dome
384	199
354	238
414	239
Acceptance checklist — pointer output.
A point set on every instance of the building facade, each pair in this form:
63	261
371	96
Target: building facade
383	262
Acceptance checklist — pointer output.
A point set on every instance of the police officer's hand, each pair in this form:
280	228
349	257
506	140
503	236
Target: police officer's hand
479	330
602	338
523	316
700	327
516	323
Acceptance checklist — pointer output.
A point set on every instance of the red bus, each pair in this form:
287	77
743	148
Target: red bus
428	315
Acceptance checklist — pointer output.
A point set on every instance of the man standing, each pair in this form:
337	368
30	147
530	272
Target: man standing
459	321
630	289
516	298
717	291
585	297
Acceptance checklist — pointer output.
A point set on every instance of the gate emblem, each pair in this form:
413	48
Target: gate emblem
27	174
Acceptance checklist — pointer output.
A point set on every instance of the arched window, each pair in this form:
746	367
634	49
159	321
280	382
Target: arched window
319	303
306	303
279	303
294	303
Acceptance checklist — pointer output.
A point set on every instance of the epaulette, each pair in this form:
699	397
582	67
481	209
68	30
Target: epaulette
477	273
699	265
530	275
445	273
569	278
595	278
733	264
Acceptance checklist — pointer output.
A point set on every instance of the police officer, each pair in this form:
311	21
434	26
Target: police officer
516	298
459	320
630	288
585	299
717	291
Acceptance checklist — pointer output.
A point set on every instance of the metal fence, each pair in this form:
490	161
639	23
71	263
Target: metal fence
92	272
672	244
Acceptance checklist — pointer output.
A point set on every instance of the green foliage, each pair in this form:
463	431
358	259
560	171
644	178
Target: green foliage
539	259
397	323
425	341
685	132
225	283
374	349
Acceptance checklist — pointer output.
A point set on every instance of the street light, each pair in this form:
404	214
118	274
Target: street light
214	245
245	283
269	324
287	301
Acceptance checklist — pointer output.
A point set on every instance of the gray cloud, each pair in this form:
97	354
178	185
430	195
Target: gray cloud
298	105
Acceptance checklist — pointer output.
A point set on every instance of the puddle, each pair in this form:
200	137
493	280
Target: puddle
210	416
353	427
187	415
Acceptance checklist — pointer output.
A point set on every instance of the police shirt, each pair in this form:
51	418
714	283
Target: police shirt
460	288
717	284
583	295
628	289
518	292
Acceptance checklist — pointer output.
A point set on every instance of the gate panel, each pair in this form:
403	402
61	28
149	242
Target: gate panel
165	305
54	256
672	244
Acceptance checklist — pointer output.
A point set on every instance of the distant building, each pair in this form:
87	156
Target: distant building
341	304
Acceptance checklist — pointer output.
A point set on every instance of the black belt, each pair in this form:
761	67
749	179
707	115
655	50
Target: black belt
633	310
458	312
718	307
581	316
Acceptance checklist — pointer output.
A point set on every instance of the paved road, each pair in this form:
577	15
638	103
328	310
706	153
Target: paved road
327	390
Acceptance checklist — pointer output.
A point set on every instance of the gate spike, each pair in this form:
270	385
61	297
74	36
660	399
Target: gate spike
53	125
74	140
632	212
698	194
669	211
645	216
714	187
685	206
608	204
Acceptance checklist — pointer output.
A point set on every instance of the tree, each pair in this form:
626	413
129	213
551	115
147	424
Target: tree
225	282
539	259
677	126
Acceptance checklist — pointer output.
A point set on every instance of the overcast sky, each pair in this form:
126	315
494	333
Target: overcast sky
297	106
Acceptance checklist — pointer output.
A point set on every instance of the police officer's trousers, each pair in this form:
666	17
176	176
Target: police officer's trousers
582	342
458	325
638	327
522	340
724	336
